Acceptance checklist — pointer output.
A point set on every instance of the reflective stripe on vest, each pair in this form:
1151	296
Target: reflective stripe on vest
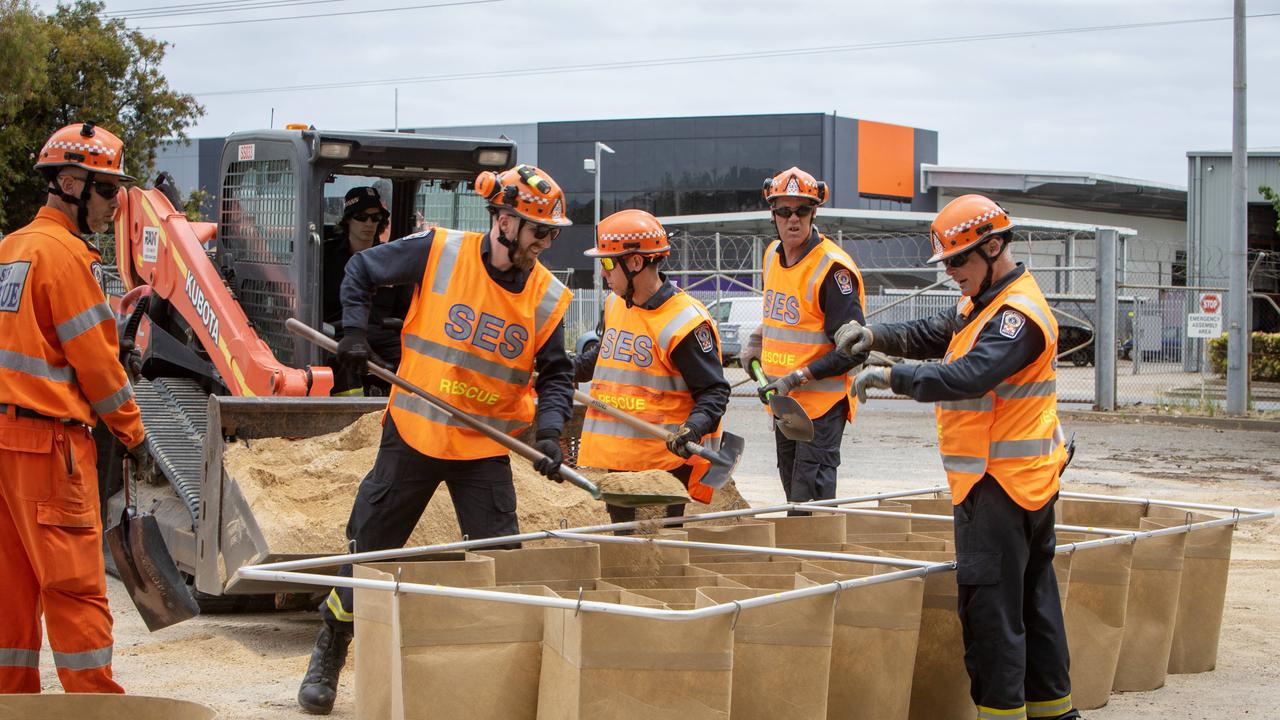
422	408
795	337
1012	432
87	660
622	376
608	426
462	358
448	258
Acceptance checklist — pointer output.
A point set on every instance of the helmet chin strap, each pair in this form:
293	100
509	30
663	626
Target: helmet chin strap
631	278
507	242
990	260
81	202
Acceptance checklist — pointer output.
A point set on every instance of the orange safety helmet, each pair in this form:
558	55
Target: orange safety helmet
84	145
630	232
796	183
526	191
964	223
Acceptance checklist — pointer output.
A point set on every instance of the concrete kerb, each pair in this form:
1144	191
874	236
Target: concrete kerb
1216	423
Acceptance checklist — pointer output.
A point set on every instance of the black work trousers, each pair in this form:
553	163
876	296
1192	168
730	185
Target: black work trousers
393	496
621	514
1015	643
808	469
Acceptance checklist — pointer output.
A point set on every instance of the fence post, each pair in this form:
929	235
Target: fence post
1104	342
719	268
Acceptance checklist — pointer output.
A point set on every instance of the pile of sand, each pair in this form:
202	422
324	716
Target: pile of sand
301	491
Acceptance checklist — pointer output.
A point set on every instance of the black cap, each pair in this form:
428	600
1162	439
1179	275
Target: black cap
359	199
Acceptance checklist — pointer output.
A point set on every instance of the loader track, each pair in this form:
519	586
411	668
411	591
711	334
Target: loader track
175	412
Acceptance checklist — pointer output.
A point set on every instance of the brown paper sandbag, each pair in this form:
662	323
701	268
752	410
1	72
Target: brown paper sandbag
100	706
534	563
1203	594
1094	612
862	524
940	683
598	666
376	645
781	655
758	533
930	506
630	555
1152	610
809	530
1115	514
873	650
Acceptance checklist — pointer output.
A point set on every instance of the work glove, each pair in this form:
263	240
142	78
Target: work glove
133	364
872	377
353	349
138	452
785	384
853	338
751	349
548	443
676	441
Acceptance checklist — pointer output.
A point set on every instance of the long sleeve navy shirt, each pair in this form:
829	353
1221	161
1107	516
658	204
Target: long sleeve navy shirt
995	355
700	368
404	261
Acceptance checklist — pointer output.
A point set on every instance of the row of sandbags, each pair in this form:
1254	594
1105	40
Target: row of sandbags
884	651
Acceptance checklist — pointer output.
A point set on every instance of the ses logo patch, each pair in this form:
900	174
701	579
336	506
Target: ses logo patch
13	279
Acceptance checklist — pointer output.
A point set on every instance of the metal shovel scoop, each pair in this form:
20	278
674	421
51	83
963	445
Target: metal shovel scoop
723	461
792	420
147	569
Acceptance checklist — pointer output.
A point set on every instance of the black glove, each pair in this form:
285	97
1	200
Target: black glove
133	364
548	443
676	441
138	452
353	349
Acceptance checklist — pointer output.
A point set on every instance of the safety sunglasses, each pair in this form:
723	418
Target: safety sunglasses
369	217
787	212
542	232
104	190
955	262
607	263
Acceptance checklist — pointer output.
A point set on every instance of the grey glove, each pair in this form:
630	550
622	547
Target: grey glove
549	445
872	377
139	452
133	364
853	338
751	348
785	384
676	441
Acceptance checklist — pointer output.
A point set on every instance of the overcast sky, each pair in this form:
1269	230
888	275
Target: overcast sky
1128	102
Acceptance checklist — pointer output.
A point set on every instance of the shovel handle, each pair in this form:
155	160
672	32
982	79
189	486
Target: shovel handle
645	426
306	332
757	372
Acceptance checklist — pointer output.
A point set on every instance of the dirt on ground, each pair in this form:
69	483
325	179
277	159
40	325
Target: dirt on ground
249	665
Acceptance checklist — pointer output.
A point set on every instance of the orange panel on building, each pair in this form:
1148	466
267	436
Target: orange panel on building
886	160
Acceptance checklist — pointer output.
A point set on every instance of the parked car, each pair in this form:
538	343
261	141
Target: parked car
736	318
1070	336
1170	347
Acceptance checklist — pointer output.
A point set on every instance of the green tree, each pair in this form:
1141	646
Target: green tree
1272	198
74	65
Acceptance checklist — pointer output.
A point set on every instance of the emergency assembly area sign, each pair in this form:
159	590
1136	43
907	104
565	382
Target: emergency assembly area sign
1208	322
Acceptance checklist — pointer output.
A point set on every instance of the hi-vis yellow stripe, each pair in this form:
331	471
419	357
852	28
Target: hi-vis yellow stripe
334	603
986	713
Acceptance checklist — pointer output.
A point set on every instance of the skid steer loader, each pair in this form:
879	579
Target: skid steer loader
218	362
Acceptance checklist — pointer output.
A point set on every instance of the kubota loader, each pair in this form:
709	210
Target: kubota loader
218	362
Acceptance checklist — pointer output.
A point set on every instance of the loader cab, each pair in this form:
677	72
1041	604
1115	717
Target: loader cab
281	198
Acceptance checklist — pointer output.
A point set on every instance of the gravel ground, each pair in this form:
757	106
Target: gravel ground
248	665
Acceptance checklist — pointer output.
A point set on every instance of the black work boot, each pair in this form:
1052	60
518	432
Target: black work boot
320	685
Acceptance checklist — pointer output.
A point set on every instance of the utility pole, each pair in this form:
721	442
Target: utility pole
1238	294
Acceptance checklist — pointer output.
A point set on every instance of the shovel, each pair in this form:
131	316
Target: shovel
723	462
792	420
145	565
306	332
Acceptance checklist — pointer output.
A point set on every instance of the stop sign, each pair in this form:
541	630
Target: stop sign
1210	303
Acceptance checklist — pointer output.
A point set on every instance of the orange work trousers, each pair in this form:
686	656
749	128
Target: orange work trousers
51	557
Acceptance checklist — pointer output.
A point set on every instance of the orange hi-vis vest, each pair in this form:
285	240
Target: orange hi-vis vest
794	331
59	346
471	343
635	373
1012	432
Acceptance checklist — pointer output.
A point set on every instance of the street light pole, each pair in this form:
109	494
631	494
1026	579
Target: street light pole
595	266
1238	295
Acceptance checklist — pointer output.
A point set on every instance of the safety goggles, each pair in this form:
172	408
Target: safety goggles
607	263
786	212
369	217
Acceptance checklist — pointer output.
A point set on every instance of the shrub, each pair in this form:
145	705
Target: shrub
1266	356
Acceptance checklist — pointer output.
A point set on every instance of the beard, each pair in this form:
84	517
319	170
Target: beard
524	258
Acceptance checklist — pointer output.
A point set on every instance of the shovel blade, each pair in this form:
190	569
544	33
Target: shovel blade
730	452
148	572
792	420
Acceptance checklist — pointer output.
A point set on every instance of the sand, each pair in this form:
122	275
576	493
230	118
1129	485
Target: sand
301	491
